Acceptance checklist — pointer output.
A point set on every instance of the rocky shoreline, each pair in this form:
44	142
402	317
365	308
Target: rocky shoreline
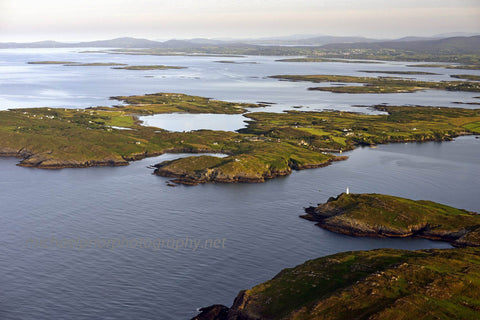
216	176
367	218
375	284
34	160
272	145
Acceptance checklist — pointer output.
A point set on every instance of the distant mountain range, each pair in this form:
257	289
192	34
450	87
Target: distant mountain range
310	41
113	43
457	44
453	45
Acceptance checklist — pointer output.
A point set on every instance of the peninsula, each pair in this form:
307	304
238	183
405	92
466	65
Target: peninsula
377	215
375	284
273	144
378	284
380	84
107	64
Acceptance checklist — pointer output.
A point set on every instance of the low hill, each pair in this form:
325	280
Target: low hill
377	284
453	45
378	215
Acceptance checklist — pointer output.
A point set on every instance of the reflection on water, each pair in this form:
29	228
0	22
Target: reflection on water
190	122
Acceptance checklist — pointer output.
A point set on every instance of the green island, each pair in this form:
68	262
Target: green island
273	144
78	64
94	64
327	60
471	77
107	64
236	62
377	284
152	67
157	103
377	215
446	66
468	103
374	284
400	72
51	62
380	84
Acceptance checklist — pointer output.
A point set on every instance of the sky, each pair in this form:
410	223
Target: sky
78	20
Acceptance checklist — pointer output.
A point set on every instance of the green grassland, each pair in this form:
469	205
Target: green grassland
400	72
272	145
380	84
376	284
175	102
338	130
57	138
295	135
107	64
327	60
380	215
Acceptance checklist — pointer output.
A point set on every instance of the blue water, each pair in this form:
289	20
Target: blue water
26	85
247	232
259	223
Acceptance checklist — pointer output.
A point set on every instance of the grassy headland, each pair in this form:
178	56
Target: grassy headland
294	135
59	138
400	72
272	145
377	284
175	102
336	130
107	64
447	66
380	84
378	215
471	77
327	60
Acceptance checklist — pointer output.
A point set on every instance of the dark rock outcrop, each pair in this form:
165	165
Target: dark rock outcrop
213	312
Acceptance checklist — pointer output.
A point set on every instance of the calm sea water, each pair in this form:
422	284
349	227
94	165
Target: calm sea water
246	232
26	85
259	223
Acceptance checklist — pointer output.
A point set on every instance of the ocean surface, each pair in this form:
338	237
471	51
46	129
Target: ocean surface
24	85
119	243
